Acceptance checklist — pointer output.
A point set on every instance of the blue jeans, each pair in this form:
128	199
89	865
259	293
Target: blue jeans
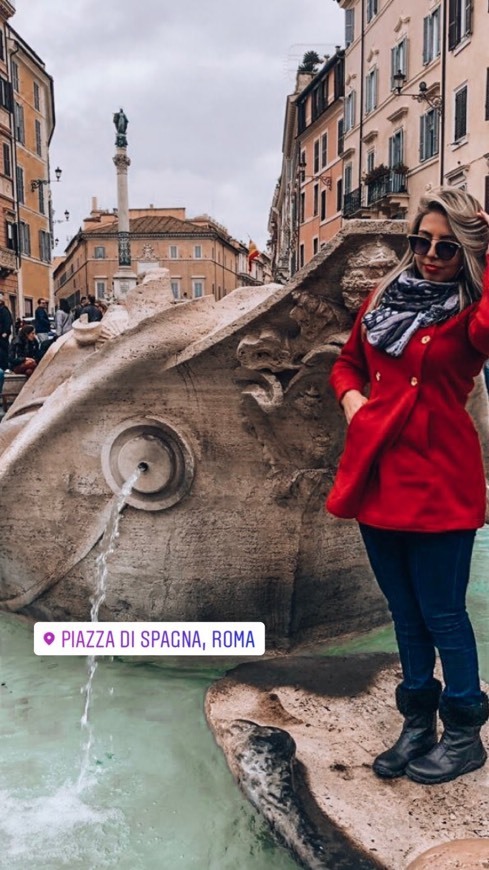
424	577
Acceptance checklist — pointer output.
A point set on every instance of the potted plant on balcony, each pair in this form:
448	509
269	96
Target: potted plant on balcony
377	173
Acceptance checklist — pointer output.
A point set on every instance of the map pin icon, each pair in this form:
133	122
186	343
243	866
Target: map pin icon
49	637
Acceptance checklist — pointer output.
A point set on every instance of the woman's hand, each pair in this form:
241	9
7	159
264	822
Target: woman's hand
484	216
351	402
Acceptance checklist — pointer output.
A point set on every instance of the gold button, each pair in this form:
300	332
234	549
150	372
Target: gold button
377	376
414	382
425	339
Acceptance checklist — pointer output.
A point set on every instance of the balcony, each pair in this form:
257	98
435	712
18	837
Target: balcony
392	182
352	202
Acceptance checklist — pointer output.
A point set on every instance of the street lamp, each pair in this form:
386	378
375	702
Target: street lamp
38	182
67	217
434	101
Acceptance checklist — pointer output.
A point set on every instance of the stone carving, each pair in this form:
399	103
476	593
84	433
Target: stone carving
227	406
364	270
148	255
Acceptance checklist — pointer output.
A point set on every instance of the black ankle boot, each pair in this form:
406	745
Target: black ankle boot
460	749
418	736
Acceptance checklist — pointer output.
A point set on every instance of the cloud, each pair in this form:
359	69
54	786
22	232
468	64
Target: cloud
203	84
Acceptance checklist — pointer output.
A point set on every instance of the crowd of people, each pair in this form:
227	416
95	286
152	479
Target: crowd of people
23	344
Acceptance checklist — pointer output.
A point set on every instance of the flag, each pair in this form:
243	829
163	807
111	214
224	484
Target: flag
253	253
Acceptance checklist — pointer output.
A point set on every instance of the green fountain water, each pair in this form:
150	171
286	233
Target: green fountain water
158	793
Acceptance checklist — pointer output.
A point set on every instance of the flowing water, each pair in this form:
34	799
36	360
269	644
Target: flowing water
157	794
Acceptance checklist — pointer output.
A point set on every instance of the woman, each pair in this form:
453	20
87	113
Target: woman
412	473
24	352
63	320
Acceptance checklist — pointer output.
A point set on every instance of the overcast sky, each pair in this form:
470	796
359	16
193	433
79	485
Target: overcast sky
203	84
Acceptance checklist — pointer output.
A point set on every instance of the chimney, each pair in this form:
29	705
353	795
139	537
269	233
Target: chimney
94	205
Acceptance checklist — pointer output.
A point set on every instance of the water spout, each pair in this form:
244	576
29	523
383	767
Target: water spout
107	547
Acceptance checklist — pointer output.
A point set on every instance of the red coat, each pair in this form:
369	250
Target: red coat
412	458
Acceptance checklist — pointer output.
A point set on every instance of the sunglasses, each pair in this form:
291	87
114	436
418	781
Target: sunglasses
443	250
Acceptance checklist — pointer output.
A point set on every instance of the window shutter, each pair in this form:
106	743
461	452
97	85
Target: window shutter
487	95
393	67
426	39
453	24
436	130
349	26
391	151
422	137
468	17
460	114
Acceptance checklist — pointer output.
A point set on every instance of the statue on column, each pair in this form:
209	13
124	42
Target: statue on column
121	122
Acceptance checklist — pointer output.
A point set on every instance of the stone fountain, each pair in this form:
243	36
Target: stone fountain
226	407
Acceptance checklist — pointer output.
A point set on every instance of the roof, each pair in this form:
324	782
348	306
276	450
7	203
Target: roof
158	225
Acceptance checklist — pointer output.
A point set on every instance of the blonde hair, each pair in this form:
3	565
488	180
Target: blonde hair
460	209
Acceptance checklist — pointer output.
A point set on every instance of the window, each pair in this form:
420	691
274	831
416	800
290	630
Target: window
398	61
324	150
37	101
349	120
19	123
349	26
459	21
19	178
44	246
301	255
339	194
2	45
7	164
372	9
25	238
197	288
301	117
339	78
11	235
302	209
6	100
15	76
173	252
396	149
460	114
428	140
100	287
40	192
323	205
37	125
348	178
315	246
198	252
341	127
99	252
370	160
316	200
316	156
370	91
175	288
431	36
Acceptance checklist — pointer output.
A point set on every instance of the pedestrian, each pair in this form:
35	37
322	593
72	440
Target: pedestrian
63	319
102	307
91	310
42	325
5	332
25	352
412	473
79	307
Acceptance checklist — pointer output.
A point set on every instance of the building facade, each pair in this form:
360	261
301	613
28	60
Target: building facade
200	254
306	207
414	115
33	122
416	107
8	221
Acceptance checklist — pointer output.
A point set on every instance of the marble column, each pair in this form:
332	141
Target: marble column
124	278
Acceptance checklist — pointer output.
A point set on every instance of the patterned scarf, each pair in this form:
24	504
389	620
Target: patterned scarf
408	304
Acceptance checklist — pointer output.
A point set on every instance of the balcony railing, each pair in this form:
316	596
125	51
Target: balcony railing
391	182
352	202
